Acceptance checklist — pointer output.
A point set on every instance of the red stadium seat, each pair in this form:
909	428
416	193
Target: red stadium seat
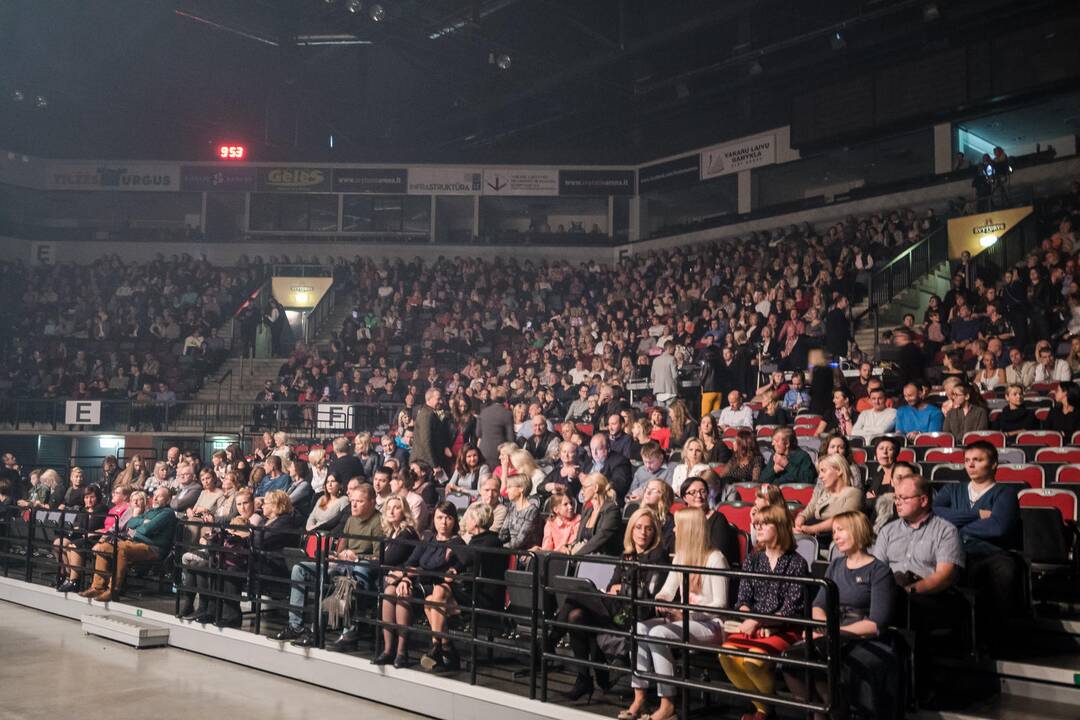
807	421
805	431
731	432
797	492
747	492
1058	455
906	454
312	543
730	442
1075	440
994	437
1068	475
745	543
766	431
1033	476
1063	500
737	513
1039	438
1042	413
934	439
584	429
941	455
677	506
859	455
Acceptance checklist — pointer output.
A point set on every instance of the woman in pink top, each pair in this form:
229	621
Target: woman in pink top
561	529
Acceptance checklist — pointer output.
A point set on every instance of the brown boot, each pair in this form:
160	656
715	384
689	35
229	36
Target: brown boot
92	592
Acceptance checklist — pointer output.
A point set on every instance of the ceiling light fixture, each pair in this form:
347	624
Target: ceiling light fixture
41	102
377	13
837	40
354	6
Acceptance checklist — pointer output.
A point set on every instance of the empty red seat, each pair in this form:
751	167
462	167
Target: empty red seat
1042	413
906	454
807	421
859	455
1063	500
1031	475
1068	475
934	439
731	432
1058	455
746	491
797	492
942	455
1039	438
994	437
766	431
737	513
805	431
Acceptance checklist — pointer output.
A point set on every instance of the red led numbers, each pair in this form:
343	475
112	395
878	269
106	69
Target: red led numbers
232	152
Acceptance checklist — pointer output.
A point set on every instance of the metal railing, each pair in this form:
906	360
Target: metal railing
315	319
255	567
908	267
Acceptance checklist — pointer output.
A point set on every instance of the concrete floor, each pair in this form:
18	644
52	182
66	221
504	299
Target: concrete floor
51	670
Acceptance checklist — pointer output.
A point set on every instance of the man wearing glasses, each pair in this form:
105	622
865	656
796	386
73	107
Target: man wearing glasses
926	556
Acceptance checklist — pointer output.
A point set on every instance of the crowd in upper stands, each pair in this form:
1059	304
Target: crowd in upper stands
115	329
783	476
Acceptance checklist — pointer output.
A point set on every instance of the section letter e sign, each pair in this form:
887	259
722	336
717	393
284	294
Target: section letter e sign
82	412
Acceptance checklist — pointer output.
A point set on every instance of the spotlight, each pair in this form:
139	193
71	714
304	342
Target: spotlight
837	40
503	61
931	12
755	68
377	13
329	2
354	6
41	102
18	96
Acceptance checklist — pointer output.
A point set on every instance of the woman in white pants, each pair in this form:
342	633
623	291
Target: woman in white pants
692	550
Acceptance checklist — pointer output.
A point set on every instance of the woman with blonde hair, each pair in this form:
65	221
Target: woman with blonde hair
692	465
73	496
658	497
523	463
774	554
400	538
600	518
833	495
692	550
319	468
866	591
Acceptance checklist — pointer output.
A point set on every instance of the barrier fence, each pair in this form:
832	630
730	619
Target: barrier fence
233	566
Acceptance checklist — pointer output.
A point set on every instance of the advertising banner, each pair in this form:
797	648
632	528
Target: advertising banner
211	178
521	182
138	177
669	175
294	179
733	157
596	182
387	181
975	233
445	181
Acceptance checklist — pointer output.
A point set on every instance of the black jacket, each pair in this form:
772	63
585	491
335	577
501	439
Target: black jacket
606	537
487	565
617	470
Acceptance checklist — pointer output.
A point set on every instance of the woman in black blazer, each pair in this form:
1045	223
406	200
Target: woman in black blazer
601	520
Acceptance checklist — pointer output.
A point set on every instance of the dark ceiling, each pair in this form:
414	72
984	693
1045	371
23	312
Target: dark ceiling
596	81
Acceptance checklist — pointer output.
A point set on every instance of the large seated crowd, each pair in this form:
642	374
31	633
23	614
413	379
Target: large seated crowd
905	488
114	329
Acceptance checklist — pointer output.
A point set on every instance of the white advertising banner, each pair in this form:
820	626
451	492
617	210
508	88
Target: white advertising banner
733	157
445	181
521	182
82	412
122	176
334	417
